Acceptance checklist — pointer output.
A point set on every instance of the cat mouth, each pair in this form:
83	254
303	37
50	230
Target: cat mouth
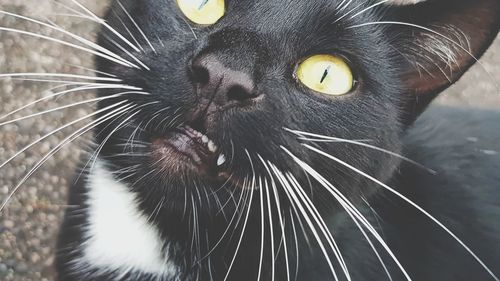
187	148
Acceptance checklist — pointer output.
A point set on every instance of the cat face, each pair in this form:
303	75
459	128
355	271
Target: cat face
226	99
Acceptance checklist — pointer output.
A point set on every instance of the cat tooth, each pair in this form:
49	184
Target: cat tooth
221	160
204	139
211	146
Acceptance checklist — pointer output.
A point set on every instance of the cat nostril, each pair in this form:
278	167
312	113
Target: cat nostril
240	93
200	74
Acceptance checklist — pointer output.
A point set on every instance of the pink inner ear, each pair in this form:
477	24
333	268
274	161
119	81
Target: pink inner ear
403	2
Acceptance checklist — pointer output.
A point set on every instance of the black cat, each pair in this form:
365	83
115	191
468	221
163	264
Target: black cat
279	140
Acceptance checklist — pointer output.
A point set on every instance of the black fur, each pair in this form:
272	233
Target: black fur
266	39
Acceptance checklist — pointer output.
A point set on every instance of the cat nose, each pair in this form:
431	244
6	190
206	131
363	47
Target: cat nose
221	83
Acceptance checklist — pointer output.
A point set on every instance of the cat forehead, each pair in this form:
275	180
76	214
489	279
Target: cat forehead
280	16
279	12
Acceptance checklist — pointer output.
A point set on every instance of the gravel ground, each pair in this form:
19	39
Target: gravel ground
28	226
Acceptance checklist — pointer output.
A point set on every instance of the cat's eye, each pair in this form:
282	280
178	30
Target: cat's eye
205	12
326	74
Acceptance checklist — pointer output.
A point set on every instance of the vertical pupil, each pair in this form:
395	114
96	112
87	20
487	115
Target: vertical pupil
325	74
203	3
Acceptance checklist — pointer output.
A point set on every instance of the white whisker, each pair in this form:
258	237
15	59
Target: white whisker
349	207
103	22
66	43
289	191
59	108
137	26
334	139
70	34
67	140
84	88
413	204
252	190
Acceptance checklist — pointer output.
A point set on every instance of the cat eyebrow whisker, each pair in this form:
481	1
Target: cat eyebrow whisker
458	45
351	210
64	142
413	204
369	8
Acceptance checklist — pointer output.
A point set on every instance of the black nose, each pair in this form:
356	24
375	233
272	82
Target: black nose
224	84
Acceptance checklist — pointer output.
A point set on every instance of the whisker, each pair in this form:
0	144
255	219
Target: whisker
72	35
271	230
128	30
66	43
59	108
67	140
278	206
252	190
59	75
293	198
227	228
350	209
137	26
348	13
103	22
128	53
413	204
92	70
369	8
297	259
355	217
262	231
334	139
58	94
57	130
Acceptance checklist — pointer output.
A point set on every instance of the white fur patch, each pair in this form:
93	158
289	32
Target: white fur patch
119	237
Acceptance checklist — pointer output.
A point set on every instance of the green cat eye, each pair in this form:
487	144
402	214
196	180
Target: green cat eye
205	12
326	74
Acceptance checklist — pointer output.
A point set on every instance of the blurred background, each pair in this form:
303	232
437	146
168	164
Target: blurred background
29	224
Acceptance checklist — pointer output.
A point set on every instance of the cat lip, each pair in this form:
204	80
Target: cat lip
186	146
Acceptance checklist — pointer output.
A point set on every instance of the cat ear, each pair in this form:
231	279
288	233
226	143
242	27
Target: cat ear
439	40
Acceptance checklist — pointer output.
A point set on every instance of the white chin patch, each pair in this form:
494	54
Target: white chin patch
119	236
403	2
